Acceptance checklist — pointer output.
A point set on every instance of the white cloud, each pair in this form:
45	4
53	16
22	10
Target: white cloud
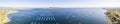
105	3
22	5
92	3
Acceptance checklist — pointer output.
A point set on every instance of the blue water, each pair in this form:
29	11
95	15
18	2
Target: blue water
62	16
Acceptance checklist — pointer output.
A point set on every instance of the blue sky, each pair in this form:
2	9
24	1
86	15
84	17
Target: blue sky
59	3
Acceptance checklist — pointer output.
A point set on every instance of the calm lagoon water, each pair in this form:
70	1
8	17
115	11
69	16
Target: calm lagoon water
59	16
